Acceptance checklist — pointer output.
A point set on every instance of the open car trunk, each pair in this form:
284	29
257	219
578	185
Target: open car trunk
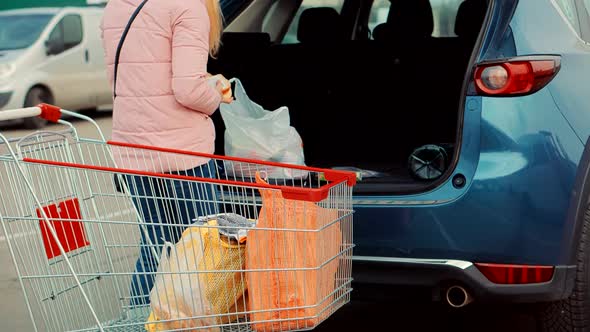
386	101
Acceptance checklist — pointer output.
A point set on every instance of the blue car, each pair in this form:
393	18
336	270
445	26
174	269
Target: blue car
467	122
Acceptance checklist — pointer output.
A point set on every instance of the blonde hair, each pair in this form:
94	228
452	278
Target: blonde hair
216	19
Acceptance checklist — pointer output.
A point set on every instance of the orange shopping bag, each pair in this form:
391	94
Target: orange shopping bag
299	291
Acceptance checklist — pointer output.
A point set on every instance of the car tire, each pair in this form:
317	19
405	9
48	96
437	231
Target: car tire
36	96
573	314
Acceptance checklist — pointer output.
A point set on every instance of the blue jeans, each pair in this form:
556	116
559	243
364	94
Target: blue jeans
167	207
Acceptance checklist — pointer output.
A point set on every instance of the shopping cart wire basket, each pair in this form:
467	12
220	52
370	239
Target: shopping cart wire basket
111	236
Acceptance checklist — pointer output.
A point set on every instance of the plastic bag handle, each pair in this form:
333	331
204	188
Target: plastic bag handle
238	85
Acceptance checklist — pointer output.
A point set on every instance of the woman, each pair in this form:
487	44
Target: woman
162	97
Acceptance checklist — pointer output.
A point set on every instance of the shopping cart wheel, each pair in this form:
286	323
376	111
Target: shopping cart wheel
36	96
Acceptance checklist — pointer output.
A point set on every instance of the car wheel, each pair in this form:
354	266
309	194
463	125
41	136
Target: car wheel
573	314
36	96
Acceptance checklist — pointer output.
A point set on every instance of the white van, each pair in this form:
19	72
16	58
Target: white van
52	55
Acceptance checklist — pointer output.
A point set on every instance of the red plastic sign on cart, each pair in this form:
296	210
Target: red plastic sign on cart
66	219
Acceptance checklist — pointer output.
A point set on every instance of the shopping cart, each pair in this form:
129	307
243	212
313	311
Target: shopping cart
217	253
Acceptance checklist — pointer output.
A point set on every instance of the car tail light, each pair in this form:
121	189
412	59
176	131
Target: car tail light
516	274
517	76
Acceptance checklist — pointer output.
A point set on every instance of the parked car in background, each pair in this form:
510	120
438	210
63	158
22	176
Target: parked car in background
470	120
52	55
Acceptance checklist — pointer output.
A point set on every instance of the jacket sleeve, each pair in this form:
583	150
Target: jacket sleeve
190	54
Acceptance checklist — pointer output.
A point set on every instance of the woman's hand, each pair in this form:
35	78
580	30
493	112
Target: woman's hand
224	80
224	88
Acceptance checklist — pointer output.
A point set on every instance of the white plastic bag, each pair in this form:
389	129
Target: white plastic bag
255	133
177	296
183	297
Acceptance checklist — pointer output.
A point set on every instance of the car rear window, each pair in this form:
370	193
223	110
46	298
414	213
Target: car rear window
231	8
444	12
291	36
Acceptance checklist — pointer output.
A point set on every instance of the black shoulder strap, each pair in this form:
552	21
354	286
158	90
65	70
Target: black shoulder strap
125	32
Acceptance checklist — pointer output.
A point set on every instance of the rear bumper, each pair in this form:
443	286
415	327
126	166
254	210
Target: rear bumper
439	273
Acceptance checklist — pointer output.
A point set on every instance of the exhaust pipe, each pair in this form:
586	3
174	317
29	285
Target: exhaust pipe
458	297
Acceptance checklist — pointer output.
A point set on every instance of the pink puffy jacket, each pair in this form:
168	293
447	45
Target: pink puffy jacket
163	98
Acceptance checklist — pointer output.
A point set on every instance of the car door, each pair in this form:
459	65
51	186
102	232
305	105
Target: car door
67	65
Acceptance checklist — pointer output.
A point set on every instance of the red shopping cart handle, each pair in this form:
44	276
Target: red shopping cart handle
329	174
45	111
50	113
334	177
294	193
